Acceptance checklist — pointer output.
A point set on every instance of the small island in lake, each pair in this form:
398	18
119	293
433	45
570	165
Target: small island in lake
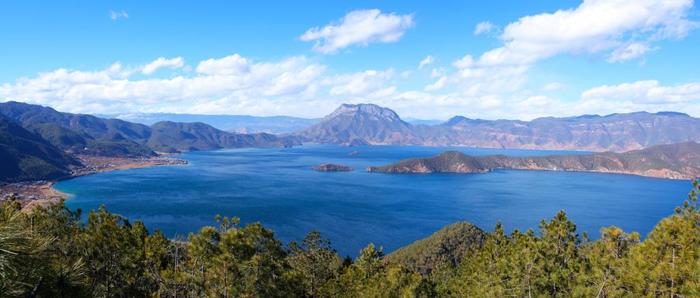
329	167
675	161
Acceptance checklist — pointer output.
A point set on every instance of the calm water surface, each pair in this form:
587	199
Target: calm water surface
278	188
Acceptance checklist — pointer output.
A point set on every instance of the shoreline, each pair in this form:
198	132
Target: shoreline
41	193
647	174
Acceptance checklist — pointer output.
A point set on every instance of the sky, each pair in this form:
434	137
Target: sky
429	60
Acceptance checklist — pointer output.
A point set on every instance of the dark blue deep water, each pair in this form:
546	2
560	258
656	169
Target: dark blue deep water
278	188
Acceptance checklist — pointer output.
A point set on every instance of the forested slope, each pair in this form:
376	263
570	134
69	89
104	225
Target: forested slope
49	252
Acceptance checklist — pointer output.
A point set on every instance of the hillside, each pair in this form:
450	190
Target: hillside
676	161
83	134
616	132
90	135
231	123
446	247
26	156
169	136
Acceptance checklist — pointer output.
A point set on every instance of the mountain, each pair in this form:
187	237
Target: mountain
448	246
169	136
77	133
616	132
24	155
232	123
675	161
366	123
90	135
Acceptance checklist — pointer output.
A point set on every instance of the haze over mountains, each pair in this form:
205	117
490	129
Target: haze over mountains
372	124
232	123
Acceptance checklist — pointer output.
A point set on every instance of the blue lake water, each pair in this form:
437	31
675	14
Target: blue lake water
277	187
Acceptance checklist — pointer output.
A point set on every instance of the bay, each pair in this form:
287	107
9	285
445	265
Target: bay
277	187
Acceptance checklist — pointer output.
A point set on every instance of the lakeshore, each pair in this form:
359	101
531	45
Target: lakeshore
36	193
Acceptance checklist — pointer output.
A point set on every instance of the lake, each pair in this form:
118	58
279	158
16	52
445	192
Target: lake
277	187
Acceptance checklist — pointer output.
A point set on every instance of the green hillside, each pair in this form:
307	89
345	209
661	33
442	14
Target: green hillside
446	247
52	252
26	156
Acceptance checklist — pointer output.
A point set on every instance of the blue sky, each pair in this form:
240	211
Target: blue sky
495	59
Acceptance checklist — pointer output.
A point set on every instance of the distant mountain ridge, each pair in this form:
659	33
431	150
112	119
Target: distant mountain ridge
675	161
230	123
167	136
90	135
372	124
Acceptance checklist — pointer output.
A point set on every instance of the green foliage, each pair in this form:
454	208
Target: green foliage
313	263
49	252
26	156
446	247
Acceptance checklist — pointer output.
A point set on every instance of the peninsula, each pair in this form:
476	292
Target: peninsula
676	161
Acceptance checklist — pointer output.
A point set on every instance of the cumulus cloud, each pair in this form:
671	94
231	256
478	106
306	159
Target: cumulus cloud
553	86
426	61
617	30
628	52
118	14
484	27
216	88
162	62
362	83
594	26
439	84
645	92
359	27
230	65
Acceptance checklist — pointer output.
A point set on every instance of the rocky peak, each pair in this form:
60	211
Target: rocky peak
365	110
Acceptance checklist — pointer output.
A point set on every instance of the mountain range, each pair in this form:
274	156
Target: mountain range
674	161
59	136
40	143
372	124
91	135
231	123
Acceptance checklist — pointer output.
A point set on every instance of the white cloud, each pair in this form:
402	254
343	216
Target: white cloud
464	62
115	15
628	52
162	62
361	83
215	90
484	27
645	92
594	26
437	72
230	65
553	86
426	61
297	86
617	30
359	27
439	84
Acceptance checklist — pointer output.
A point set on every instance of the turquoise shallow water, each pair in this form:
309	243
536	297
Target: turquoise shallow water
278	188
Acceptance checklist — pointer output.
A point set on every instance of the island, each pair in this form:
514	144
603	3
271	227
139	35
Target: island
329	167
674	161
